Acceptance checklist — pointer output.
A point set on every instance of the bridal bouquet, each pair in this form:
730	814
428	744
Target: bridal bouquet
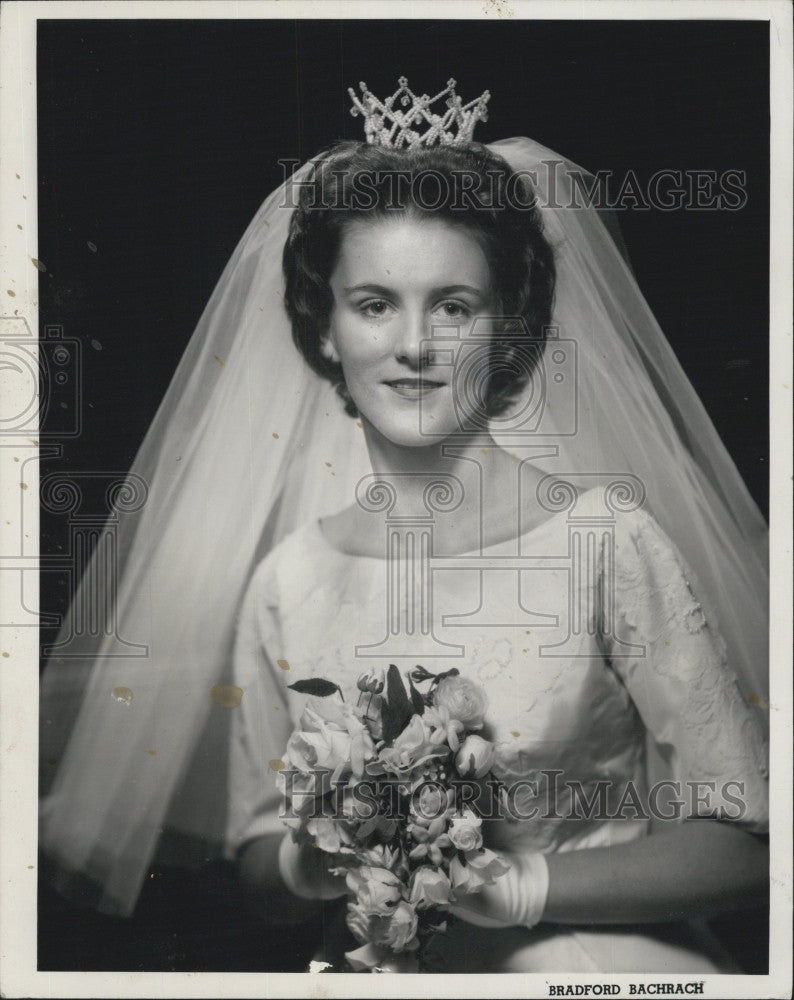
389	788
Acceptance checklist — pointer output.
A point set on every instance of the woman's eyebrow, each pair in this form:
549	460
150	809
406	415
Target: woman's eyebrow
455	289
375	289
371	288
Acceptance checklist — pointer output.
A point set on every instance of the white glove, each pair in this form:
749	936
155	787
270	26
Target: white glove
304	870
517	898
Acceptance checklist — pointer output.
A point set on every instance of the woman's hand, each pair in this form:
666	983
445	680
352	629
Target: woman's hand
699	869
304	869
516	898
264	886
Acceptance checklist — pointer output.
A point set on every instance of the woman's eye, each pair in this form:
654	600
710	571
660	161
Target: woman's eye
455	310
375	307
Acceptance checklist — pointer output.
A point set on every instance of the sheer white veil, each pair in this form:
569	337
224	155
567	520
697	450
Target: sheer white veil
247	444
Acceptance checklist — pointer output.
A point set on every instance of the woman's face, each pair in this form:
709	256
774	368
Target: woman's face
395	280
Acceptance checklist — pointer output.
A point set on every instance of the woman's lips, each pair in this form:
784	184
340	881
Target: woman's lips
413	388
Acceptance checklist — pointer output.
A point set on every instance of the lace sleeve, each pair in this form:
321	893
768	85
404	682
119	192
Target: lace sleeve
261	723
678	678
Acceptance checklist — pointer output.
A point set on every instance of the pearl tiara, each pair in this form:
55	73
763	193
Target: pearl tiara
387	125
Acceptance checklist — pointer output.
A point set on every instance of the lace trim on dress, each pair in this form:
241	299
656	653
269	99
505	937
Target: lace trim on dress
658	606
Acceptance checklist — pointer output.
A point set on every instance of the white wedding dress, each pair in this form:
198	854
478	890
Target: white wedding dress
580	669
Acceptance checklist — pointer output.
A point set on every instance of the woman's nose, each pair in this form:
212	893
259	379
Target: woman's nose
413	345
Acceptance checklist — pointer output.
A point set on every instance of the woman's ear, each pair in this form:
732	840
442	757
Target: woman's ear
328	350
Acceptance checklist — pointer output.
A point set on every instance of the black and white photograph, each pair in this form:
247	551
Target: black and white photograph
397	495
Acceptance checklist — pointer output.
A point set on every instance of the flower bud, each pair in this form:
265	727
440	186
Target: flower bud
372	681
428	887
475	758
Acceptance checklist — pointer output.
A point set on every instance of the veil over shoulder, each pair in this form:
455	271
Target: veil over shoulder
248	444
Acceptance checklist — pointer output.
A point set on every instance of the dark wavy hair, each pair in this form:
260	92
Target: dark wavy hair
468	186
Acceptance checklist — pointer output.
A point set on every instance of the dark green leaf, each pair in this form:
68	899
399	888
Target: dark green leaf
317	686
390	722
398	698
417	700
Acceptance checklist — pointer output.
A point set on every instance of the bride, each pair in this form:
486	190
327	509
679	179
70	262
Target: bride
519	511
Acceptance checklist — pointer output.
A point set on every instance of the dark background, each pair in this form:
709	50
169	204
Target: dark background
158	140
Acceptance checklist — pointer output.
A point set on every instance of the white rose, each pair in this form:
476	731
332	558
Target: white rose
464	831
465	700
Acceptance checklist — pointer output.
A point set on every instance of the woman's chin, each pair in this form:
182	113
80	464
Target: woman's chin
419	428
413	436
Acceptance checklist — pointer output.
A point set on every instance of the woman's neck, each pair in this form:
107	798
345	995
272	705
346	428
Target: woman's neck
480	507
452	456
